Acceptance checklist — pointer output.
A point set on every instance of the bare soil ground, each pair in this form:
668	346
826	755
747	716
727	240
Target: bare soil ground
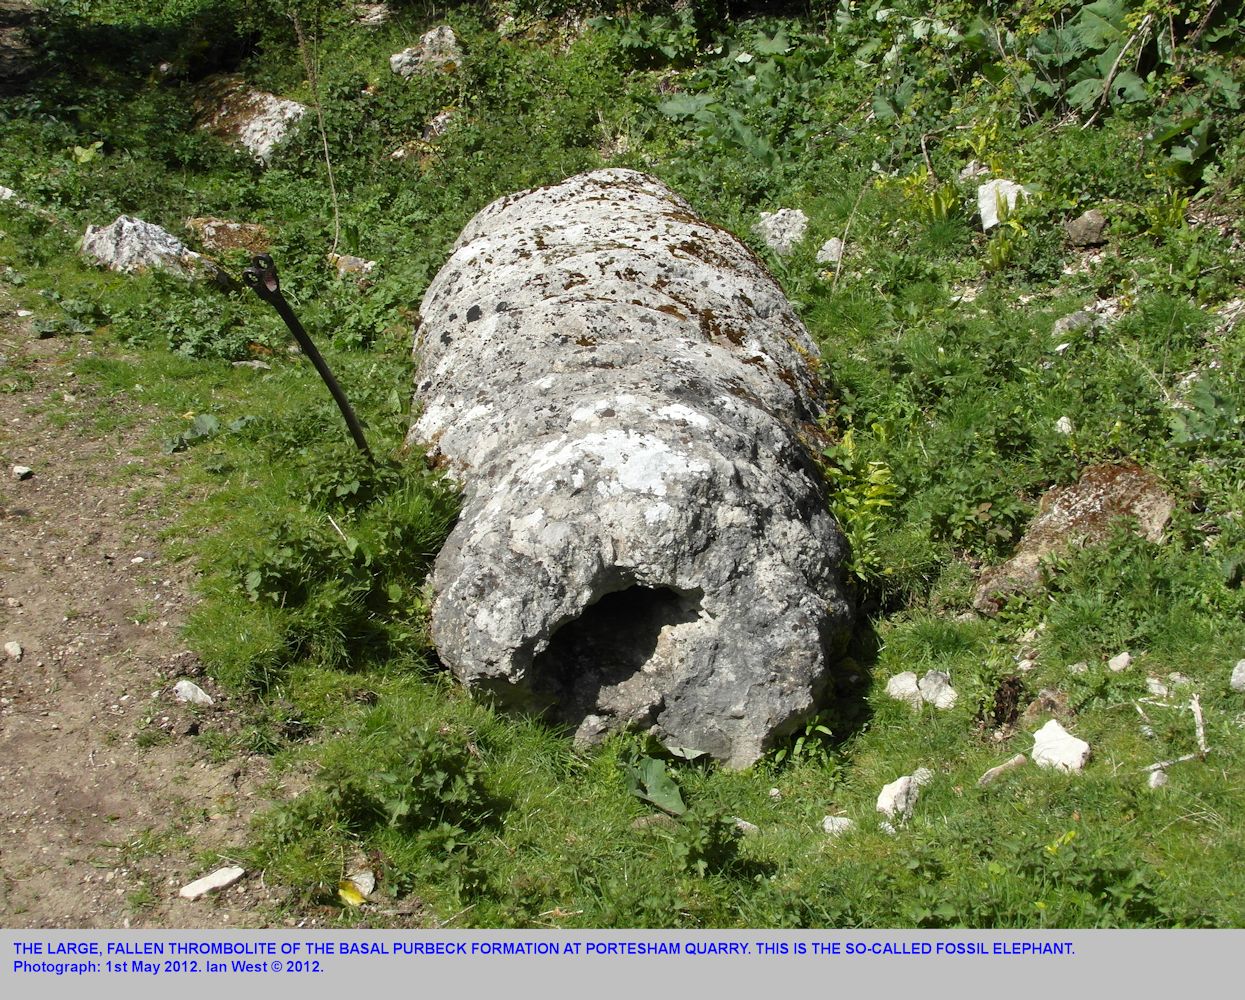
107	806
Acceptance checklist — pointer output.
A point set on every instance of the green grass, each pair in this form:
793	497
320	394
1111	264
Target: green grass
943	408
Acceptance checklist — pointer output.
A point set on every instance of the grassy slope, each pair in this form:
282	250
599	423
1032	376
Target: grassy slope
945	410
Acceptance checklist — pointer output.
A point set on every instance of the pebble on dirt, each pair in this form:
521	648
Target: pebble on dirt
190	692
13	650
222	878
22	472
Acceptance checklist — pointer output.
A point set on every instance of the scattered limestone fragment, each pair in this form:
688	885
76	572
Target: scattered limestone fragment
1120	662
222	878
897	800
995	772
995	199
1086	230
744	827
644	548
438	51
836	826
1064	425
13	650
1070	515
253	119
372	15
21	472
347	265
1055	747
221	235
191	693
904	687
936	689
1157	779
831	251
130	245
782	230
1237	683
1073	323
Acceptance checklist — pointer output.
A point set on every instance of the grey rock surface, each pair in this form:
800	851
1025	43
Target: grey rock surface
191	693
905	687
1055	747
836	826
1237	681
936	689
438	51
1086	230
626	396
831	252
1082	513
253	119
897	800
782	230
130	245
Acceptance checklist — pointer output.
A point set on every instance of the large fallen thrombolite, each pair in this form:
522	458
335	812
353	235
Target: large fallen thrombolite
626	396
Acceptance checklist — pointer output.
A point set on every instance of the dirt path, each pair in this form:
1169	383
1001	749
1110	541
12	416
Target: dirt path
107	806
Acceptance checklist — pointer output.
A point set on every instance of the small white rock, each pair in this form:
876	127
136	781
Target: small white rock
1026	665
831	251
1157	779
745	827
1178	680
24	313
836	826
936	689
222	878
782	230
1054	746
1079	667
22	472
775	794
1119	663
995	195
188	691
898	799
1156	687
904	687
13	650
1064	425
1237	683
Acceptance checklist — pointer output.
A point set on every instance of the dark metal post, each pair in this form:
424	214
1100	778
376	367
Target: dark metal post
262	278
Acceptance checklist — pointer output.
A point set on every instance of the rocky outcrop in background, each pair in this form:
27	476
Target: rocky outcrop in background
625	393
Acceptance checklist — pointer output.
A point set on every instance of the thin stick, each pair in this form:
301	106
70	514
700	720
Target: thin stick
847	228
1115	67
313	78
1163	765
1018	761
1200	723
335	527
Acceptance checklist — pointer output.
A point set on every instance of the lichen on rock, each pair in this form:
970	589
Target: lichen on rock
626	396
